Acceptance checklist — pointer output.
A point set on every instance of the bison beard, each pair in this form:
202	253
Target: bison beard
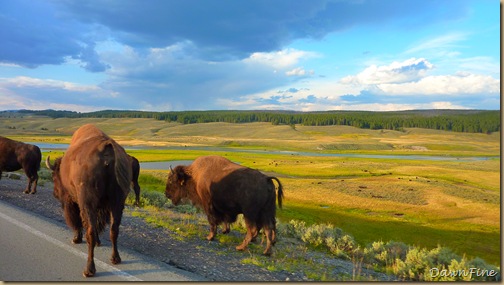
92	182
223	190
15	155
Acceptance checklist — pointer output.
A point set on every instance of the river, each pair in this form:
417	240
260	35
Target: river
166	164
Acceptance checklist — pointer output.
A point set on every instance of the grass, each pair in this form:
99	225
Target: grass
423	203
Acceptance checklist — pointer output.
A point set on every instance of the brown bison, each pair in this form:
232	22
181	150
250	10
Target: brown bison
15	155
224	189
92	181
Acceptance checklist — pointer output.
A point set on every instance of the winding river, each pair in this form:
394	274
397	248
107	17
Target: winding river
44	147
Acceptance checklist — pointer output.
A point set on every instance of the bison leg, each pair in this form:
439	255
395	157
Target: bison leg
226	228
116	216
270	238
71	212
27	190
77	236
213	226
269	230
91	235
251	232
35	181
32	180
136	187
213	231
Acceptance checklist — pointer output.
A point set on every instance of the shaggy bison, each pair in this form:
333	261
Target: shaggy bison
224	189
15	155
92	181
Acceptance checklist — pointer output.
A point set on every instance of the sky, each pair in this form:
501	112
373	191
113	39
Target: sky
303	55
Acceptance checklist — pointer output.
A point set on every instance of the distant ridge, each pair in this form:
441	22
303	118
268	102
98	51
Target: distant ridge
473	121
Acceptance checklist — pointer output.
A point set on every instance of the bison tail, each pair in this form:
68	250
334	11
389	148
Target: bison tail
39	157
122	167
280	190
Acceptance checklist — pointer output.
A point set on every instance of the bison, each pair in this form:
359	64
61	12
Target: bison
92	181
15	155
224	189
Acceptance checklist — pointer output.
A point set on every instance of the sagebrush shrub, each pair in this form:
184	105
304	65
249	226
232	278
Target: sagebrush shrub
153	198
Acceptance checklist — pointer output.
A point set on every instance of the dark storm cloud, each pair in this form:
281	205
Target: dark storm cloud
30	36
32	33
35	33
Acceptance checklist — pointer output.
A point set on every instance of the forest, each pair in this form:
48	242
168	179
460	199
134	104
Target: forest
471	121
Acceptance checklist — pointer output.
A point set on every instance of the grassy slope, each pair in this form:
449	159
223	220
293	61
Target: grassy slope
455	204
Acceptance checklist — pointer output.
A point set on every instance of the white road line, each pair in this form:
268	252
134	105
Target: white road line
76	252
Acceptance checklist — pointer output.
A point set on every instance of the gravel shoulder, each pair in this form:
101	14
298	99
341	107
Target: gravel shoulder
208	259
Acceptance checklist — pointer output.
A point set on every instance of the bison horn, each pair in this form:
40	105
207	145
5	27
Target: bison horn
171	169
48	163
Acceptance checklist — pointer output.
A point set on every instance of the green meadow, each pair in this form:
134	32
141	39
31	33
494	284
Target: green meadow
425	203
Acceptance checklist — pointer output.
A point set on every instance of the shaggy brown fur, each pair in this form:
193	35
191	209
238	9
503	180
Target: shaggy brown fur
15	155
224	189
92	181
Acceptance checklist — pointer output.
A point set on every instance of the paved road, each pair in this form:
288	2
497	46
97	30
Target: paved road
34	248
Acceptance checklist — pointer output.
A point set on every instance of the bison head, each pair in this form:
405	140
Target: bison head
58	187
177	184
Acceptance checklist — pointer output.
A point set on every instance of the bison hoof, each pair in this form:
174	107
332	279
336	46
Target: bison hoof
267	252
226	231
77	240
115	259
26	191
210	237
90	272
241	247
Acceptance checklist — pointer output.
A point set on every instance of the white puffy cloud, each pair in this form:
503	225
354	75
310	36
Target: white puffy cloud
24	92
396	72
445	85
280	59
29	82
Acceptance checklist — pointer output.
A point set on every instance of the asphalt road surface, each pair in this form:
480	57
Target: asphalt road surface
34	248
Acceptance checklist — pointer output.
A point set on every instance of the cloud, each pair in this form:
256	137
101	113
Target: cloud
90	59
280	59
403	82
29	39
299	71
174	77
454	85
28	82
36	93
182	55
48	32
33	35
396	72
444	42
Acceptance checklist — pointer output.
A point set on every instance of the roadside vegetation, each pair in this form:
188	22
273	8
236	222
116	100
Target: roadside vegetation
397	216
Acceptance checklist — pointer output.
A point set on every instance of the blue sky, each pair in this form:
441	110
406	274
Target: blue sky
315	55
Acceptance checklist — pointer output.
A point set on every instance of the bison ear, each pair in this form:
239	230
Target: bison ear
182	175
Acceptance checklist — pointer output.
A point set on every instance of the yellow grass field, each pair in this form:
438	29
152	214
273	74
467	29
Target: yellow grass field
425	202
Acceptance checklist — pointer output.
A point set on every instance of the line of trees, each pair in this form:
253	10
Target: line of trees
472	121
